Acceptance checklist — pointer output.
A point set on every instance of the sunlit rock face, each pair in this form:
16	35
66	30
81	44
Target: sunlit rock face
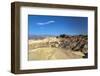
61	47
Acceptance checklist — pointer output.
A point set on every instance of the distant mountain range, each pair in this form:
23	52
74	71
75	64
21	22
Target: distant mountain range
44	36
39	36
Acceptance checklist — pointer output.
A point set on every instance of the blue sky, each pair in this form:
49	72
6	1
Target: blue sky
56	25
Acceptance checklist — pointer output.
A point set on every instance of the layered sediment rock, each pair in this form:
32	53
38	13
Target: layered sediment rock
76	43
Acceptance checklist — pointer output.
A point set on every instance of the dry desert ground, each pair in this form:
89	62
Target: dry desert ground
52	48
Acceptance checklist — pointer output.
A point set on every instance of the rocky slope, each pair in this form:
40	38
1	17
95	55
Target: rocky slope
67	46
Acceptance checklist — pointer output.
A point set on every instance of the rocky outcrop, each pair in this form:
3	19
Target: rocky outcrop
75	43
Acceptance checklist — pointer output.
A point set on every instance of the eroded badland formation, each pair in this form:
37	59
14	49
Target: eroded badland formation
60	47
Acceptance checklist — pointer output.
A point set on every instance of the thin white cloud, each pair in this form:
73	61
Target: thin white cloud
45	23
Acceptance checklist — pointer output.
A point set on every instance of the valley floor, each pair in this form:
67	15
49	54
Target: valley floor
50	53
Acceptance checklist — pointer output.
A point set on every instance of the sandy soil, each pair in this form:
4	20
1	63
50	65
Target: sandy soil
49	53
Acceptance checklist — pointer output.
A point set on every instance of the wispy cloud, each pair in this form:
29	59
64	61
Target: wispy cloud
45	23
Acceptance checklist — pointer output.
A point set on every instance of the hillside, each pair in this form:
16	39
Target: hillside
69	47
